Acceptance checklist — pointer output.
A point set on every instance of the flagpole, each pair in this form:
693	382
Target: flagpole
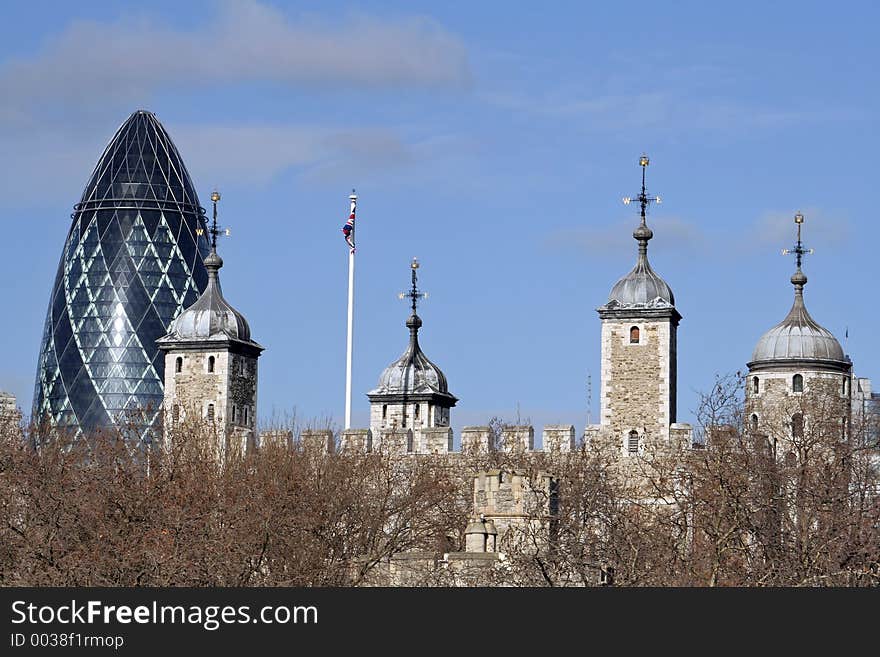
348	351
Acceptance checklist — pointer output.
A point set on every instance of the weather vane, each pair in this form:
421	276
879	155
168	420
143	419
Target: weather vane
413	294
643	198
213	230
798	250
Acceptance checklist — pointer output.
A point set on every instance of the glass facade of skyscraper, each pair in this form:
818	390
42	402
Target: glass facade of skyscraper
132	261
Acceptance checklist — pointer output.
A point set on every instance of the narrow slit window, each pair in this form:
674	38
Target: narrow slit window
797	425
634	335
175	413
178	365
753	422
210	412
211	361
756	385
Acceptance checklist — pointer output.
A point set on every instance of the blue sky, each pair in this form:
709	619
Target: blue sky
493	141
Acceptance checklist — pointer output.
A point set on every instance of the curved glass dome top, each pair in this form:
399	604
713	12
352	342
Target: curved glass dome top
132	261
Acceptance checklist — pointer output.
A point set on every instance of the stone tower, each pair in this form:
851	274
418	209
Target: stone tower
799	381
211	365
410	406
638	373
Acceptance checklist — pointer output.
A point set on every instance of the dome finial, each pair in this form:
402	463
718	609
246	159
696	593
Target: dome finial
214	262
642	234
798	279
413	294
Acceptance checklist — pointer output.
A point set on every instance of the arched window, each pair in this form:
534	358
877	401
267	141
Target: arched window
178	365
634	335
797	425
632	443
384	412
756	385
210	412
211	361
416	411
797	383
753	422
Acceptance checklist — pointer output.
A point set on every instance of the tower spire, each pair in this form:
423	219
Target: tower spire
642	234
798	279
414	322
214	262
215	197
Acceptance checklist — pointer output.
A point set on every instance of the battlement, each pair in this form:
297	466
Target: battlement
514	439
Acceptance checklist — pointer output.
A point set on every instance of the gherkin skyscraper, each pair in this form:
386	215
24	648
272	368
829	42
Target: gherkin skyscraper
132	261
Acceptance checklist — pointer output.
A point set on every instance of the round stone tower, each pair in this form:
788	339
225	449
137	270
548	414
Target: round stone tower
798	386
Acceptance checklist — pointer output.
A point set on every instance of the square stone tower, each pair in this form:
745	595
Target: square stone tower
410	406
639	328
211	367
638	376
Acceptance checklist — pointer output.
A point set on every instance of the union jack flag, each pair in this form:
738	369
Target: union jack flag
348	228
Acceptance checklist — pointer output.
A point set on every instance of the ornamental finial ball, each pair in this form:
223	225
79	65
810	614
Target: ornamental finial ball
644	161
215	196
415	263
798	218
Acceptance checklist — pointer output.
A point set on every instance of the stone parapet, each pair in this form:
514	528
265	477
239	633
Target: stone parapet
436	440
320	440
558	438
476	440
397	442
517	439
357	440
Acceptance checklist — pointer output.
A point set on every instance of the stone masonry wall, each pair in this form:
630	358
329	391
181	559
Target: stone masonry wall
233	383
637	389
825	405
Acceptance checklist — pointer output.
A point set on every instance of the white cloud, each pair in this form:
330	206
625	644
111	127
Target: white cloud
670	110
777	228
255	153
60	105
92	63
672	234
